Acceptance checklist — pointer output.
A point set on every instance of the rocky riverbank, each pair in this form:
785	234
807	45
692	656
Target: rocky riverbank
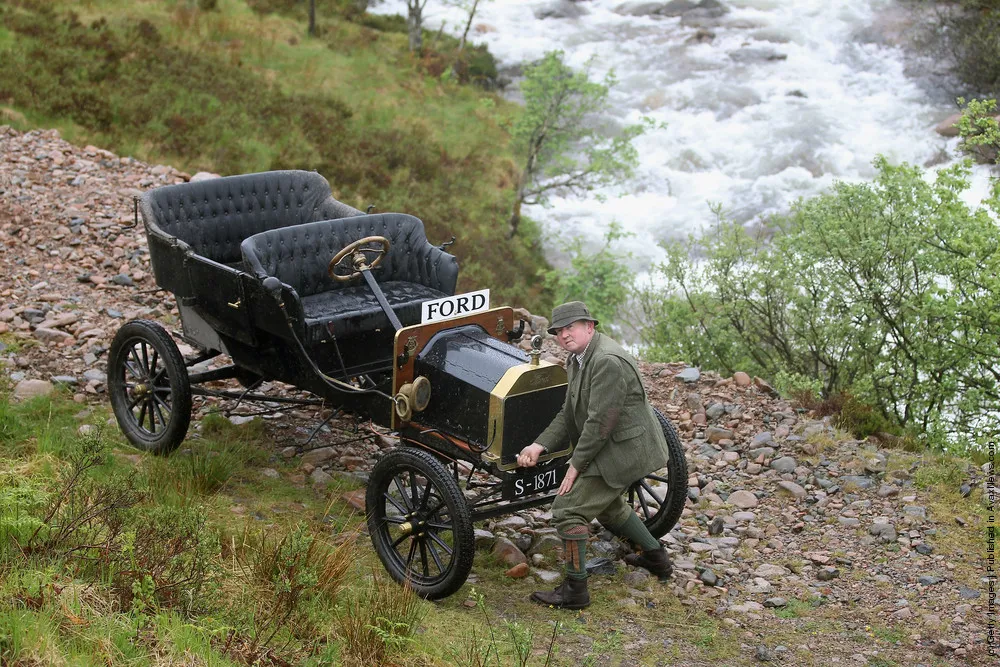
805	542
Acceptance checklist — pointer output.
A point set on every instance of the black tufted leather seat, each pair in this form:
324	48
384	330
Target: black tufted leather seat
212	217
412	272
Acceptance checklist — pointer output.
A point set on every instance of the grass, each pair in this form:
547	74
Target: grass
235	90
184	579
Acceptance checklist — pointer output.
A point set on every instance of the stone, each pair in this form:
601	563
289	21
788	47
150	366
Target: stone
483	538
768	570
560	9
519	571
949	126
270	473
548	576
793	489
355	499
715	434
507	552
715	410
545	544
319	456
742	499
784	464
320	478
859	481
708	577
601	565
827	573
26	389
967	593
689	375
775	602
715	528
764	654
741	379
884	531
47	335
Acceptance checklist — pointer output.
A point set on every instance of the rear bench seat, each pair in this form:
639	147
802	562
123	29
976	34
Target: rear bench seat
412	272
212	217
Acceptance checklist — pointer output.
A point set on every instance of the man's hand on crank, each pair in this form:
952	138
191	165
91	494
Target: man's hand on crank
567	483
529	455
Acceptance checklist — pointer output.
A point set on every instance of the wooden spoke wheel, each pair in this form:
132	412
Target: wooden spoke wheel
149	387
419	522
659	497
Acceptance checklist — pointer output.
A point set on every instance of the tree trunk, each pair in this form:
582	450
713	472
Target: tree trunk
312	17
414	25
515	210
472	14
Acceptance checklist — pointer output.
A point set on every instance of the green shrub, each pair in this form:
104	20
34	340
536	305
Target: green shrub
886	290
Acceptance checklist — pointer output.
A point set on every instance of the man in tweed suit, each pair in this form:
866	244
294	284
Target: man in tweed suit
618	441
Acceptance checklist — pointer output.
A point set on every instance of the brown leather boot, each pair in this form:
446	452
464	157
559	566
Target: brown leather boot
656	561
570	594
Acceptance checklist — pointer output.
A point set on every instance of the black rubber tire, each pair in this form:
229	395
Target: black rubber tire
143	356
411	486
660	511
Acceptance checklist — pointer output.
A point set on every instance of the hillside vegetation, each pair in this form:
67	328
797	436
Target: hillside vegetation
234	90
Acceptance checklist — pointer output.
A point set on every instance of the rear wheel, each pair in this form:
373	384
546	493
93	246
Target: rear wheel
149	387
659	497
419	523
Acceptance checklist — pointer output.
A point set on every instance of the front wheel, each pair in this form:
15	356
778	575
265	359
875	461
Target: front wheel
658	498
419	523
149	387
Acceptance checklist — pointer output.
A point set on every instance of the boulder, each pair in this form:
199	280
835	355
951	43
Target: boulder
561	9
26	389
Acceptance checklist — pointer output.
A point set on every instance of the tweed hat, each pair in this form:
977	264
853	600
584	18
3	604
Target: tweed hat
567	313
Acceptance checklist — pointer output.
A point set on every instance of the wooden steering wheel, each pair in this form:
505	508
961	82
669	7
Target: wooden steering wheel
359	261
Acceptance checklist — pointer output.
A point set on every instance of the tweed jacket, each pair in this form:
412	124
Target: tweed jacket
607	417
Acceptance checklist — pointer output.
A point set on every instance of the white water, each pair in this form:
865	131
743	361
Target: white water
749	133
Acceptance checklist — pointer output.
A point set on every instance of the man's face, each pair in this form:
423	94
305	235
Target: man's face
575	337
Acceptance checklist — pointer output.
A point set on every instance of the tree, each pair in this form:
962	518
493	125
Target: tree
889	291
471	11
415	24
564	151
312	17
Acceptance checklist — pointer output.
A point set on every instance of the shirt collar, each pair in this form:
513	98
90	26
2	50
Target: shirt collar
580	357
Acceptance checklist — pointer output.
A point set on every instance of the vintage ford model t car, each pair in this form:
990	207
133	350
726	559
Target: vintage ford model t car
361	311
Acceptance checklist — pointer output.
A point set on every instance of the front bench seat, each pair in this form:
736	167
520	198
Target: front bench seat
414	271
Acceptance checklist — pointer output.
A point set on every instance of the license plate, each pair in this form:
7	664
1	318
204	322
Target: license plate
522	482
454	306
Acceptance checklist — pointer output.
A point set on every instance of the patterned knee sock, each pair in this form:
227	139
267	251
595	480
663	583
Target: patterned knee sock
575	551
635	530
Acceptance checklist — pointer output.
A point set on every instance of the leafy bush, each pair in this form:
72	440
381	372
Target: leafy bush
887	290
979	130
